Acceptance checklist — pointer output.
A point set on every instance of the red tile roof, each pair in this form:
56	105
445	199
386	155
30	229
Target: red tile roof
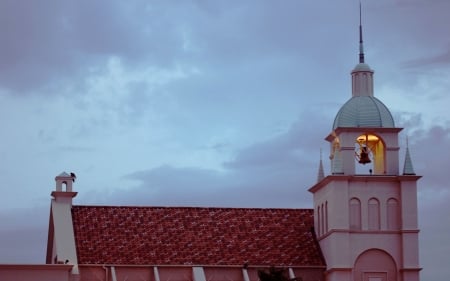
198	236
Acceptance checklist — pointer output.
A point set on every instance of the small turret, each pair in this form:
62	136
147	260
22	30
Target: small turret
408	166
65	179
362	74
320	174
64	183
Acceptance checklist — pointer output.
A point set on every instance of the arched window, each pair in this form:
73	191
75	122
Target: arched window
393	214
319	231
355	213
64	186
322	218
374	214
326	216
370	149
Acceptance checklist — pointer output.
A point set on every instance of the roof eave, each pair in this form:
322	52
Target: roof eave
383	178
339	130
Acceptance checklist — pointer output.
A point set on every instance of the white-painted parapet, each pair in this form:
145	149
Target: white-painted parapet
198	273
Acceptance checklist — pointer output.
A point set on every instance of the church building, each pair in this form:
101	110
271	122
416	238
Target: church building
363	226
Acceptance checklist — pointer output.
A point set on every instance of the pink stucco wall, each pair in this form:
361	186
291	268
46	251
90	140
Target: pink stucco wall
184	273
42	272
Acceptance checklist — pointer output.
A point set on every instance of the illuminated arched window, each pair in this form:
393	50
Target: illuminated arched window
370	151
393	214
355	214
374	214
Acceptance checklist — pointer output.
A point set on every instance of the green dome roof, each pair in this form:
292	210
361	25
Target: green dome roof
364	111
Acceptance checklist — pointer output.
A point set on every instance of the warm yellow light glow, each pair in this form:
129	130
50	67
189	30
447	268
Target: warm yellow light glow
368	137
376	151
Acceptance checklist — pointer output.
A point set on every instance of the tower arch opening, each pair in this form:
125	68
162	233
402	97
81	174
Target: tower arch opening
64	186
370	153
375	264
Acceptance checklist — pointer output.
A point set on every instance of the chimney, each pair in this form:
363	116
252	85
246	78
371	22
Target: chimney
61	239
63	192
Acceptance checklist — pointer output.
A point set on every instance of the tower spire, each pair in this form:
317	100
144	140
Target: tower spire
361	46
362	75
320	174
408	166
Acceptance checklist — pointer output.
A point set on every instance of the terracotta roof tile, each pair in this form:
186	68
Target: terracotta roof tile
199	236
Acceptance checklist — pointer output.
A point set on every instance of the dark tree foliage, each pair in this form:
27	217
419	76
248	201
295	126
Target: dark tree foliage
275	274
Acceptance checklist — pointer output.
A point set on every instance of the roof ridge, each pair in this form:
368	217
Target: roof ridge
189	207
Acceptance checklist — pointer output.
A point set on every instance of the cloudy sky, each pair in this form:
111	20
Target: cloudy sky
209	103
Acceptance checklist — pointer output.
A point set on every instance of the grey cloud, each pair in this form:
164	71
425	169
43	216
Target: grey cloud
409	121
57	40
24	244
431	147
25	238
172	186
431	159
49	41
271	173
442	59
76	149
277	168
284	150
434	224
428	149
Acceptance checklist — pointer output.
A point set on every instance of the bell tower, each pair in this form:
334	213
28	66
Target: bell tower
365	212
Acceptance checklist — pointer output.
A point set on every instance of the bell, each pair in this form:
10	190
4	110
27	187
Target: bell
364	156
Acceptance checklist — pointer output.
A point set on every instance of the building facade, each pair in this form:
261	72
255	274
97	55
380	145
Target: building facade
179	243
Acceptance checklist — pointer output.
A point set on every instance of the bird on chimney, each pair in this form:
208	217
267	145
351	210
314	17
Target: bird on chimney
73	176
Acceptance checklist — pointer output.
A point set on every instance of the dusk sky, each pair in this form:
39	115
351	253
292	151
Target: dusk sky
209	103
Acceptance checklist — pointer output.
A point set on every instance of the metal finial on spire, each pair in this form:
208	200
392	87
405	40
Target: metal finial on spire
361	47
